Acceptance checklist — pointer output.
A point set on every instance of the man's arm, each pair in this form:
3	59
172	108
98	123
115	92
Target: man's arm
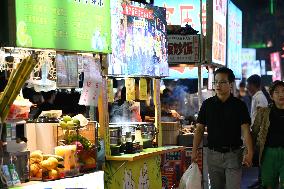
249	145
198	136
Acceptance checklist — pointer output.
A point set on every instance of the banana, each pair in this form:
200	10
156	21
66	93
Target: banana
59	158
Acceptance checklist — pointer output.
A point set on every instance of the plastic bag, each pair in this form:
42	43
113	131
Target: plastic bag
20	109
191	179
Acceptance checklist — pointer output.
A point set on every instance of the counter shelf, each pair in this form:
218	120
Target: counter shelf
145	153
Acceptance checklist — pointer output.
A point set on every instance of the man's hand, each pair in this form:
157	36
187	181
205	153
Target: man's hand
247	160
198	136
175	114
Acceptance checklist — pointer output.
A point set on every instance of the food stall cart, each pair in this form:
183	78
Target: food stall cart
51	39
139	59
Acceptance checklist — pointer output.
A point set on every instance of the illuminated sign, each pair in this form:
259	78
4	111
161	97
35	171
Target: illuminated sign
139	47
234	51
263	67
65	24
276	66
219	32
137	11
185	12
249	64
183	48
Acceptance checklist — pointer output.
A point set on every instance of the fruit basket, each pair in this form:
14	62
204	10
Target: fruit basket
86	151
84	136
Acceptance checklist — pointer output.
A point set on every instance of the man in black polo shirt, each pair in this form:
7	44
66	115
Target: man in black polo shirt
225	117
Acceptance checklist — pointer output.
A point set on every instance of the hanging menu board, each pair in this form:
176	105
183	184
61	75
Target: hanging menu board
67	71
82	25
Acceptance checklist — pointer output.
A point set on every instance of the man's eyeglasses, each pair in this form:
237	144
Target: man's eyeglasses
220	82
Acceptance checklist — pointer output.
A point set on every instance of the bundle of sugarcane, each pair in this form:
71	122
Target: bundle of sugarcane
16	81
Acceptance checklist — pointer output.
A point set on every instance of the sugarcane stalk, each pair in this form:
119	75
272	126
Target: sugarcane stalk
11	75
29	66
11	78
23	77
11	84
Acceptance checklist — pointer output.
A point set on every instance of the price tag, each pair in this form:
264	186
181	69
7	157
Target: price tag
143	89
130	89
110	90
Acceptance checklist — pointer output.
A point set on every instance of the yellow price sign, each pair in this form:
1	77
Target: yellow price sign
143	89
110	95
130	89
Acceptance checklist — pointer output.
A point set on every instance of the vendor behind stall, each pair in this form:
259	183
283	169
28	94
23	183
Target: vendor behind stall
124	111
168	109
48	103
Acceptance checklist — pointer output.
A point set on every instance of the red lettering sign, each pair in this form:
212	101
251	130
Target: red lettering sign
137	11
180	48
185	12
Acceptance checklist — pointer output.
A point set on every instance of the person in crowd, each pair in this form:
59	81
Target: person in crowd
225	117
49	98
244	96
258	100
267	95
268	132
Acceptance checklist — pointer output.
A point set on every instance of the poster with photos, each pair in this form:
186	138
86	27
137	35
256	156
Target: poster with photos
219	32
139	47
